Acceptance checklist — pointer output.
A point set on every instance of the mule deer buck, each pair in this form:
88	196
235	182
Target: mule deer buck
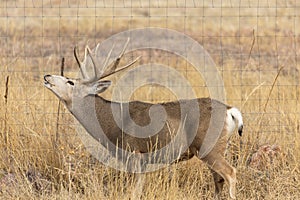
81	98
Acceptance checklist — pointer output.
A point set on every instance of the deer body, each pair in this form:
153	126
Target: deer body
95	106
98	115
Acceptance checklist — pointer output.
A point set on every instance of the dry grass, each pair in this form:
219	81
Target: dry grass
35	164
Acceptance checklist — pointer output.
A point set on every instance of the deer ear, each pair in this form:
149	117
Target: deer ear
100	86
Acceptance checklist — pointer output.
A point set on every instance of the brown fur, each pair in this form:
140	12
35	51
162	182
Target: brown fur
139	112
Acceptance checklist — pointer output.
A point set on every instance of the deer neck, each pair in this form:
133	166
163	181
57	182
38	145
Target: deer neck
89	111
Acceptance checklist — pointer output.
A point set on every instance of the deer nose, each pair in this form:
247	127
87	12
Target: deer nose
46	76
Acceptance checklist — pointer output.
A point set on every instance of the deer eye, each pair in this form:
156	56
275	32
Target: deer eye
70	82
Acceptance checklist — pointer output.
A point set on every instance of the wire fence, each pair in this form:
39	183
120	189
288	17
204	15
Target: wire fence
254	44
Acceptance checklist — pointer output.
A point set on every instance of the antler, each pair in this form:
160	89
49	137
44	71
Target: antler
106	70
87	54
80	64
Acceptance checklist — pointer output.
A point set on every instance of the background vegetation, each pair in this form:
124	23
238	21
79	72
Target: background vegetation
255	45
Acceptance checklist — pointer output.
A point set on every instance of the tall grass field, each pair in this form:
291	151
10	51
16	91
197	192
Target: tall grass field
255	47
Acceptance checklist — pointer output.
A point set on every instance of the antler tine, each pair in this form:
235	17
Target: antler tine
120	56
78	62
107	58
111	70
122	68
94	63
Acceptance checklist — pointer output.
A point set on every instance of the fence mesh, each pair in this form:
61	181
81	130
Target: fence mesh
254	44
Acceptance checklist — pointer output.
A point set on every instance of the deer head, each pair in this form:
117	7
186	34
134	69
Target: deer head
66	88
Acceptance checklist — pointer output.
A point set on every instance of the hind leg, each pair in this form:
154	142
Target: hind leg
219	183
222	170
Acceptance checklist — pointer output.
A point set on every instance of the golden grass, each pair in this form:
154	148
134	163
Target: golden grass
60	165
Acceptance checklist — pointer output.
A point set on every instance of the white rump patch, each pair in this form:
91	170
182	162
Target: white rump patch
233	118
